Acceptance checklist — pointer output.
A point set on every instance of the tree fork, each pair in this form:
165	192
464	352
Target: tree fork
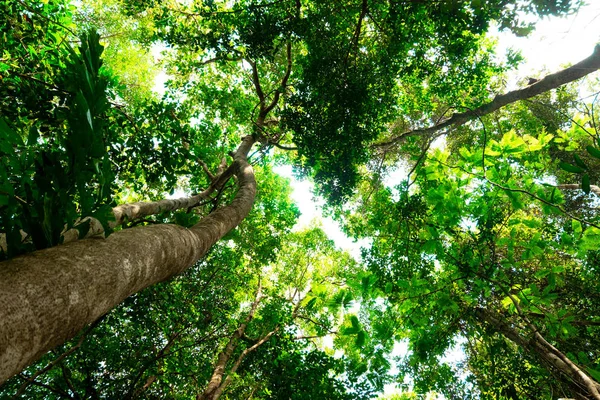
212	392
47	296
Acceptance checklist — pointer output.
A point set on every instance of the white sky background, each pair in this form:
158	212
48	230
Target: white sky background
555	42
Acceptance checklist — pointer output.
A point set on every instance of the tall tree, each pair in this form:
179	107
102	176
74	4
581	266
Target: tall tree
479	246
326	77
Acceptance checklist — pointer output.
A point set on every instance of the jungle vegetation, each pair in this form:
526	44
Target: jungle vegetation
113	286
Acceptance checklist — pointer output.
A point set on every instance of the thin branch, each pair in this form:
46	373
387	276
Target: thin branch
61	393
33	11
225	58
210	175
256	82
284	80
356	36
282	147
133	392
314	336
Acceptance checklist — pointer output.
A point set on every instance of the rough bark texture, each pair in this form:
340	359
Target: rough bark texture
47	296
552	81
539	346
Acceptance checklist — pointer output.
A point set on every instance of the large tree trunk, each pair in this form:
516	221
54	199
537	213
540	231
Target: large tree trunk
47	296
539	346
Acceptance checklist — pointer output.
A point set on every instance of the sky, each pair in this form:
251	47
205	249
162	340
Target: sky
556	41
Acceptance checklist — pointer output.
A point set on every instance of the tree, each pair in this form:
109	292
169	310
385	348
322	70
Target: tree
477	245
280	66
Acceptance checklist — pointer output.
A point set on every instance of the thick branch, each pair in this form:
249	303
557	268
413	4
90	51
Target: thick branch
219	391
547	352
134	211
552	81
256	82
138	210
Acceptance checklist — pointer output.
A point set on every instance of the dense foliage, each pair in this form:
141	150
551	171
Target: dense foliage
486	241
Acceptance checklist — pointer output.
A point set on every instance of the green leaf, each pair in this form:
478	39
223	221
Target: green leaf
576	226
388	287
594	152
311	303
594	373
33	136
9	135
360	339
585	184
350	331
570	168
579	161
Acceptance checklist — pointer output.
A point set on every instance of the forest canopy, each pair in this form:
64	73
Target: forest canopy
149	248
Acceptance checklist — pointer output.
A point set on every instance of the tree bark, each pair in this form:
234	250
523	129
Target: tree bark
552	81
47	296
221	388
536	344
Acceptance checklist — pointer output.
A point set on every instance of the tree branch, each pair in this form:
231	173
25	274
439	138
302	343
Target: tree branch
356	36
284	80
216	382
593	188
282	147
552	81
256	82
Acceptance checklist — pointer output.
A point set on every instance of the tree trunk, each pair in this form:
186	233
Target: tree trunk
536	344
219	390
217	384
47	296
216	379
